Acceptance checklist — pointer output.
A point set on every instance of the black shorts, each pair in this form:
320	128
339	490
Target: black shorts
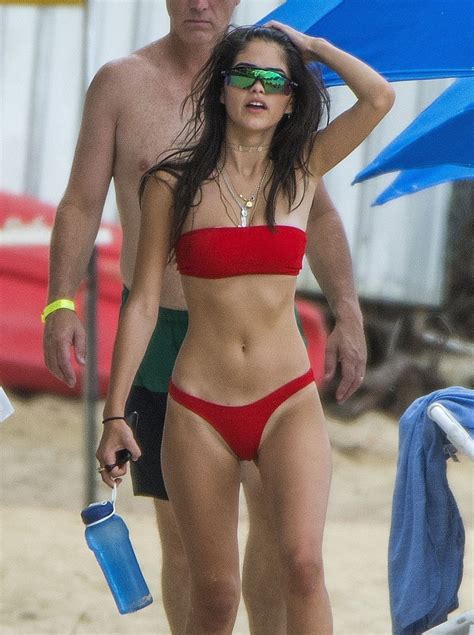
147	477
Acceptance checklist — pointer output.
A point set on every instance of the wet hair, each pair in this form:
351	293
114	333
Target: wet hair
204	134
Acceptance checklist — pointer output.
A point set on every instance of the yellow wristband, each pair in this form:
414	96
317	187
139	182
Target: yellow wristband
54	306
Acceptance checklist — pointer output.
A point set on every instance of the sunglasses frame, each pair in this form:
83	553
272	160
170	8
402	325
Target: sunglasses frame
246	71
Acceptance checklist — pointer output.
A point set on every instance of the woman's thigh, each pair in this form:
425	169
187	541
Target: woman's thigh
202	479
295	466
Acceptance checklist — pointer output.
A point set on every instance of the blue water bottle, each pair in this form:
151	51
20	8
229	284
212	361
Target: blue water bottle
108	537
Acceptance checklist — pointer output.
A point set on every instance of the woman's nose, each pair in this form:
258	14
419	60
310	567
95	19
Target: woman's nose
258	86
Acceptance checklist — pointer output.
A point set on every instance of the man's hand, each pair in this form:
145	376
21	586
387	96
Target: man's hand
64	330
346	345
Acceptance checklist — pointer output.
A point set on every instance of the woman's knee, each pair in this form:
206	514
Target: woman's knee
215	598
303	570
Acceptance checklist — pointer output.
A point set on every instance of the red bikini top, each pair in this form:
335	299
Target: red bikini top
222	252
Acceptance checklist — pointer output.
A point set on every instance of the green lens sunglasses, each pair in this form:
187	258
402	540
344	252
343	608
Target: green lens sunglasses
245	77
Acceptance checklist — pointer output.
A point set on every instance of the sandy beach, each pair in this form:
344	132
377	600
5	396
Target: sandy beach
51	582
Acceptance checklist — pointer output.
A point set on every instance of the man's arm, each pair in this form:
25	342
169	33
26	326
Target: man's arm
77	223
329	258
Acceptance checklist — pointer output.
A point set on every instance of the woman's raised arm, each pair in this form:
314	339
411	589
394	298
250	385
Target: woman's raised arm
375	97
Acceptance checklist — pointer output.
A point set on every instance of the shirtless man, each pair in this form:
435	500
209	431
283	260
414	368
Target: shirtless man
131	114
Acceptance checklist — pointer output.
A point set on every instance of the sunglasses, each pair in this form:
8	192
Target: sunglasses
245	77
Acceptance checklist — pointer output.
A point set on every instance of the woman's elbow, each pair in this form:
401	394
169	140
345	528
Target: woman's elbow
142	310
384	98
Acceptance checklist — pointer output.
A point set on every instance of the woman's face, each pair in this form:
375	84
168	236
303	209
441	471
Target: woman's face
252	109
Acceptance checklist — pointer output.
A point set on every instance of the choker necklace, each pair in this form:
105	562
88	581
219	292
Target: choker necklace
241	148
244	203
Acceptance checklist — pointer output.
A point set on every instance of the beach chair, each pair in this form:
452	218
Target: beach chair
426	546
463	623
456	433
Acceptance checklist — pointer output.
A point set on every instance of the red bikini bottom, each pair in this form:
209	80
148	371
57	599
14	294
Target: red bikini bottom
241	427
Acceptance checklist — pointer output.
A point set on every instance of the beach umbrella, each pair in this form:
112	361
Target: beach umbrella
443	134
411	181
401	39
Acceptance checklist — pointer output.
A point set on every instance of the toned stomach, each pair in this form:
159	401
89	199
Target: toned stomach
243	341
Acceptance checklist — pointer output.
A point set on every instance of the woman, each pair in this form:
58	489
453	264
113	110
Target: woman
232	208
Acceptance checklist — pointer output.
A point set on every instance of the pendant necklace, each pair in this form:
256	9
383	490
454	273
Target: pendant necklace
245	203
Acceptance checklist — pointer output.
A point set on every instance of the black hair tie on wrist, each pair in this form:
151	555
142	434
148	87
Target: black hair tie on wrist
131	419
113	419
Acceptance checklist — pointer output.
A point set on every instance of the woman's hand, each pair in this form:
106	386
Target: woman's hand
374	96
117	435
306	44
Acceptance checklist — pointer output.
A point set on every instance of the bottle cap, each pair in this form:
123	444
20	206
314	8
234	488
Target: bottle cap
96	512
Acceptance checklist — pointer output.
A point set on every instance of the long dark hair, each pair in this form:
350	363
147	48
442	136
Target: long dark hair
204	134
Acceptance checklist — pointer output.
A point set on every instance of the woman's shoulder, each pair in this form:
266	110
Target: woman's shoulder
158	181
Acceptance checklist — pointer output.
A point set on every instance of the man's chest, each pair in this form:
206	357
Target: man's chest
146	128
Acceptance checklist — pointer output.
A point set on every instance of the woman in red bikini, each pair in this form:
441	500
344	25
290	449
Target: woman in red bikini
232	207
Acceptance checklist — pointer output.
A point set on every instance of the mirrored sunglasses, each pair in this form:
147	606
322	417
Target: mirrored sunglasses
245	77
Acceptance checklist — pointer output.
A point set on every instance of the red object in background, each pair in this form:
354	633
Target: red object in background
315	331
25	225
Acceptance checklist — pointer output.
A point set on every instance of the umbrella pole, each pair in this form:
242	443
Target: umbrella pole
90	392
91	381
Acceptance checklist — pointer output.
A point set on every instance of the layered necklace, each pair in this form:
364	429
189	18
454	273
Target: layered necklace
244	203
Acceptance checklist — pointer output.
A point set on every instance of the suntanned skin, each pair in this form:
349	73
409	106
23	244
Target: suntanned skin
230	359
132	114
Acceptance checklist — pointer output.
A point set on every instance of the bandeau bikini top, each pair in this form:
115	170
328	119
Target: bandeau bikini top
222	252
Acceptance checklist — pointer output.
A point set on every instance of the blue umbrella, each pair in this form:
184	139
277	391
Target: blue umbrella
402	39
442	134
411	181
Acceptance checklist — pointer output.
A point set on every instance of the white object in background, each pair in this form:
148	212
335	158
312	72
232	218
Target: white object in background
459	436
461	624
6	408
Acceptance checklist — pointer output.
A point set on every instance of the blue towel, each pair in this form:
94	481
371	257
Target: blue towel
426	544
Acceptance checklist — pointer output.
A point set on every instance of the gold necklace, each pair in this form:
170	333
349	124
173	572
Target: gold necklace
248	202
231	216
241	148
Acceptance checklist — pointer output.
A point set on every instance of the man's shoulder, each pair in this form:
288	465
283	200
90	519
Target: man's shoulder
132	67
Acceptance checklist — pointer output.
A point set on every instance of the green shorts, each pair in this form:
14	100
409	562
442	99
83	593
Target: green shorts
157	365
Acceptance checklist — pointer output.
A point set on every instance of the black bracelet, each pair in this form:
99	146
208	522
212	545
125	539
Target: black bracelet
113	418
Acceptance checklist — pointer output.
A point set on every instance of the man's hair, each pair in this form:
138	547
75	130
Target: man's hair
204	134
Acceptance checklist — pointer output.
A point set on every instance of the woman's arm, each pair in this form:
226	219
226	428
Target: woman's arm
137	320
375	97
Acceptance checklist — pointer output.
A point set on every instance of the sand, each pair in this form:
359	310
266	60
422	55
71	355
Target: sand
51	582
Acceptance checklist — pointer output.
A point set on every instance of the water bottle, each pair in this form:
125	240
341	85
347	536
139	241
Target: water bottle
108	537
